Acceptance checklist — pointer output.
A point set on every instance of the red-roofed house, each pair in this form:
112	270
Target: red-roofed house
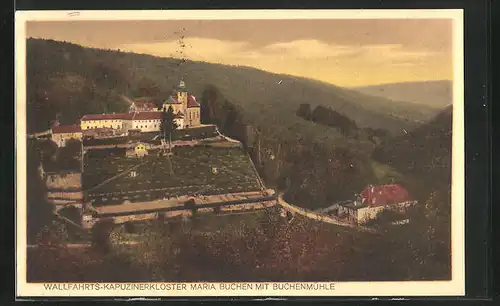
62	133
374	199
143	116
374	196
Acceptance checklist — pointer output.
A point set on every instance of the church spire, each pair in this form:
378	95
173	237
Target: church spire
182	95
182	85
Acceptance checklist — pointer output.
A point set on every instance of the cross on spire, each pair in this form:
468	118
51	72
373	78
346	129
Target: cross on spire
182	85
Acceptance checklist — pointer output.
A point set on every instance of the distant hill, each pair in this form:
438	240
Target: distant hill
69	80
437	94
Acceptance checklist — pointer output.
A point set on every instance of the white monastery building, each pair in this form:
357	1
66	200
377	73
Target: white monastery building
145	117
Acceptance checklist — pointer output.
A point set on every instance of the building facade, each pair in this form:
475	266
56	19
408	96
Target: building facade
145	117
184	104
62	133
100	121
373	200
142	121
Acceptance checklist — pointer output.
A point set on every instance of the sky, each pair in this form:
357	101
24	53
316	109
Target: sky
344	52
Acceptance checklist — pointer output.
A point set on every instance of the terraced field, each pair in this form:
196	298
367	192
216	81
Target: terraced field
111	179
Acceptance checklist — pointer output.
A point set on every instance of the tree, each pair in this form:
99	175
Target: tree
73	147
304	111
68	157
148	88
39	210
168	124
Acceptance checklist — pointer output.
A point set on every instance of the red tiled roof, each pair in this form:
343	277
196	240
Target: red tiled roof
66	129
123	116
152	115
192	101
384	195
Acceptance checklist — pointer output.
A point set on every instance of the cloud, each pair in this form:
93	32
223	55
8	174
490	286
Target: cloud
393	52
213	49
307	49
340	64
192	48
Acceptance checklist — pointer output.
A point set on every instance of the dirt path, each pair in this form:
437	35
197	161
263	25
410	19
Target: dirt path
319	217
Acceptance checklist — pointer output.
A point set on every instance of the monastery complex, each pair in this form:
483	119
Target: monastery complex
141	117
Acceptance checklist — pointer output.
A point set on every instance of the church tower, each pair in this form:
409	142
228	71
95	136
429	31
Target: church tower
182	96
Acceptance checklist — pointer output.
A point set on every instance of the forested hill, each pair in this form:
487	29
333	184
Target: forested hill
424	153
68	80
435	94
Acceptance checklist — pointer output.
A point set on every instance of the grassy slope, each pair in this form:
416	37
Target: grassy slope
90	80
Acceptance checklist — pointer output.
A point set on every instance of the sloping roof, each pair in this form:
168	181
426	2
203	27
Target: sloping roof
384	195
123	116
75	128
147	116
192	101
152	115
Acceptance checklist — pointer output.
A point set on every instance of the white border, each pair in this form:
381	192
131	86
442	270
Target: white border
455	287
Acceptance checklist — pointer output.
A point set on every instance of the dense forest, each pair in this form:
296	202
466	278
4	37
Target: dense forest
343	124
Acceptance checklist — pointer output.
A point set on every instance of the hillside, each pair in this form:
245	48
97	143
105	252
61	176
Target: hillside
71	80
424	158
424	153
436	94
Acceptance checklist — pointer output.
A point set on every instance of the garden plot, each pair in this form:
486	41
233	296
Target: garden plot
189	171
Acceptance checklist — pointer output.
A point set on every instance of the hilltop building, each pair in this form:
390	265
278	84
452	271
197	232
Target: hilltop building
145	117
143	121
184	104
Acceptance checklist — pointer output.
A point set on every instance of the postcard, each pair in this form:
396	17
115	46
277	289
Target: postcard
240	153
